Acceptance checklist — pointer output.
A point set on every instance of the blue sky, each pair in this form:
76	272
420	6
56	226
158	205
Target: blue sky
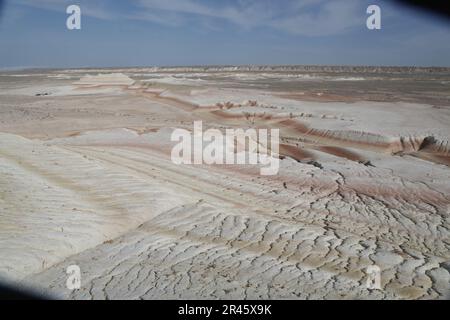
33	33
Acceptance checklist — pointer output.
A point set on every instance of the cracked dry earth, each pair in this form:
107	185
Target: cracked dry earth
86	179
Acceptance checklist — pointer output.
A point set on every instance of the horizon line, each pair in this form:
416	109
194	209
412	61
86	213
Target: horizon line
24	68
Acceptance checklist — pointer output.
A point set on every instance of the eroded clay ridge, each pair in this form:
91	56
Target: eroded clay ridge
287	68
424	147
228	241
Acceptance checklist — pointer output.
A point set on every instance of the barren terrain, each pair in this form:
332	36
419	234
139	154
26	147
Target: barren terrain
86	179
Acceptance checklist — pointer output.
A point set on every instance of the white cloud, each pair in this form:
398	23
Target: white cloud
306	17
302	17
99	9
332	17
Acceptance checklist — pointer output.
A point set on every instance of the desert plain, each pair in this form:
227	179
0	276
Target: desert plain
86	179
